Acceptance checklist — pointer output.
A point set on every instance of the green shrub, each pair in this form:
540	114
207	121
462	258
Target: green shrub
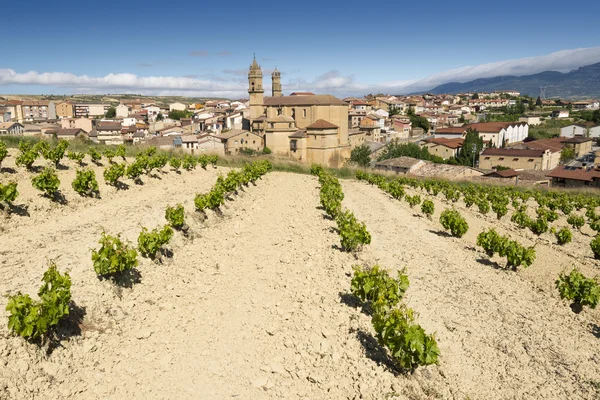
3	152
413	200
452	220
113	257
8	194
189	162
539	226
121	151
56	153
484	206
580	290
564	236
26	159
47	181
595	245
373	284
406	341
113	173
95	155
34	319
353	233
518	255
576	221
427	208
151	242
175	163
85	183
175	216
76	156
492	242
521	219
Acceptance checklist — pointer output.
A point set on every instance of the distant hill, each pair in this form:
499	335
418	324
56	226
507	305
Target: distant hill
583	82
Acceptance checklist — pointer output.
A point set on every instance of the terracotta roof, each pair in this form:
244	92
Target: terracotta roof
302	94
110	126
453	143
553	144
308	100
189	139
66	132
579	139
322	124
577	174
281	118
511	152
234	132
457	130
8	125
298	134
506	173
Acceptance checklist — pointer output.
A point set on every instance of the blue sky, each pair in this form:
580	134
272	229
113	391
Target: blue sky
340	47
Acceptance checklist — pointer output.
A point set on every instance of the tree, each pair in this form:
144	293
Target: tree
361	155
475	96
538	102
160	117
596	116
177	114
396	149
393	110
111	112
419	122
472	146
567	154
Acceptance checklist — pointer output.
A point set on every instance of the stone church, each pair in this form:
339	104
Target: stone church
307	127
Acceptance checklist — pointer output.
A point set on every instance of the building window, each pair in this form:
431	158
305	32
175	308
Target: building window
515	159
304	113
530	160
279	111
501	159
487	158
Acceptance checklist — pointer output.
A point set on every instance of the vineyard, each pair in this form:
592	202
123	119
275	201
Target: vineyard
184	279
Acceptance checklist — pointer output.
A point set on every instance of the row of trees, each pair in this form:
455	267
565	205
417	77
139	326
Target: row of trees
472	147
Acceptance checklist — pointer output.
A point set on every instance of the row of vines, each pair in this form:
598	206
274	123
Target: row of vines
393	322
574	286
85	182
116	259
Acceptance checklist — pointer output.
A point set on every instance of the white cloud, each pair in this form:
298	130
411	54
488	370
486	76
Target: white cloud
232	82
562	61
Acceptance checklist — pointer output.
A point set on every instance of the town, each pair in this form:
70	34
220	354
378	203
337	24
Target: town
500	135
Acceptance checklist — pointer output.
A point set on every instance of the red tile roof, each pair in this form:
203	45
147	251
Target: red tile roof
577	174
511	152
322	124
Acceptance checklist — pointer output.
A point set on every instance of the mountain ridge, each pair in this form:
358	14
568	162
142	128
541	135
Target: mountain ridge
583	82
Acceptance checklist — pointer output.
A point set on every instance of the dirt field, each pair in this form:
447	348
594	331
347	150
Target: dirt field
256	304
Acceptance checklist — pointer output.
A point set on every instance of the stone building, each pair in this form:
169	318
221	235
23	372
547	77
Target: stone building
310	128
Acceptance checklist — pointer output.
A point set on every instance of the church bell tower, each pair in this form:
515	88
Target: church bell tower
255	90
276	88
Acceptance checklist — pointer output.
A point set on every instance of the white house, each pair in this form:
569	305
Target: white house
177	106
382	113
11	128
580	130
573	130
122	110
234	121
153	110
530	120
560	114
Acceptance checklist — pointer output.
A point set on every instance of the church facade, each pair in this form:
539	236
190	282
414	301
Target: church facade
306	127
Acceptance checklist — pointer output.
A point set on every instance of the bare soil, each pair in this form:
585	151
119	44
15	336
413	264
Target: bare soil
255	304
